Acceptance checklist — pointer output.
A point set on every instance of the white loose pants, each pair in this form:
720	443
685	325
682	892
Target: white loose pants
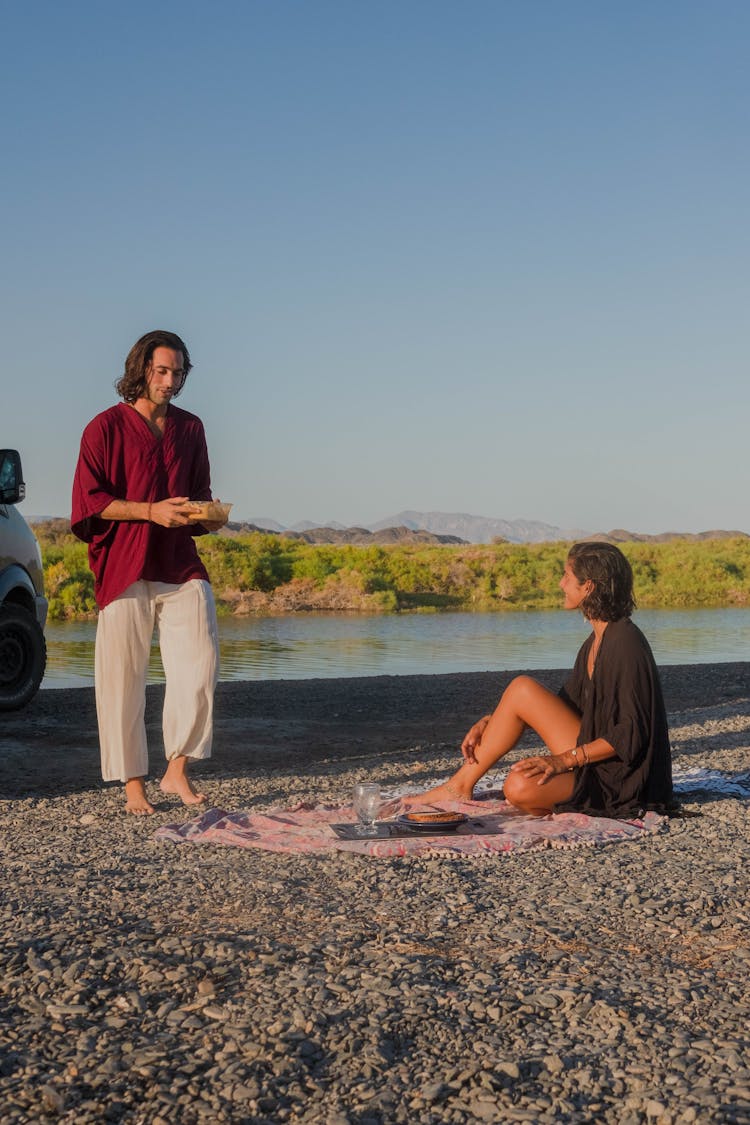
185	616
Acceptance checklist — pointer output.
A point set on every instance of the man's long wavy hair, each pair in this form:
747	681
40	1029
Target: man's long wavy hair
132	385
606	566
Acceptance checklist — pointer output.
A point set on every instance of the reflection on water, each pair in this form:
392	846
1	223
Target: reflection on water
300	647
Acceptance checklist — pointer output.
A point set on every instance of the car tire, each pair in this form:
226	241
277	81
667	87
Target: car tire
23	657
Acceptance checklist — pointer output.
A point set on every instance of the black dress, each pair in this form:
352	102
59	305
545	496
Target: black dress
623	704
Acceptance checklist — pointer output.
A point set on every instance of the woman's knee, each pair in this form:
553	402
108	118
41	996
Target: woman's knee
521	688
527	795
521	697
523	793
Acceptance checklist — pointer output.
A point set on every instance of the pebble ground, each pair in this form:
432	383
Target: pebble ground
146	982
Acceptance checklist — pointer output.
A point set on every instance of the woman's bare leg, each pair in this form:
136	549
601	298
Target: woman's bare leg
526	794
524	703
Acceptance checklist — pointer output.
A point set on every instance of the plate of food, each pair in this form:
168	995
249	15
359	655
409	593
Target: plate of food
426	820
211	510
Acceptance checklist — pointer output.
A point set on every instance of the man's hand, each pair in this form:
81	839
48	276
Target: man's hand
471	742
542	767
174	512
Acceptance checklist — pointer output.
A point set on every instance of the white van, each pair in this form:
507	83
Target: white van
23	606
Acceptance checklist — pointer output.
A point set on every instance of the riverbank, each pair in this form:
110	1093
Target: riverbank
143	982
268	574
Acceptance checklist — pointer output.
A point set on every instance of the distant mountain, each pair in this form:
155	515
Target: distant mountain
362	535
310	525
263	523
479	529
425	527
460	527
267	524
620	536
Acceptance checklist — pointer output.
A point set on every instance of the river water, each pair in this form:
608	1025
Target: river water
312	645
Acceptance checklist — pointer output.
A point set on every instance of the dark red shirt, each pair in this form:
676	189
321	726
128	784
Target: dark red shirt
121	459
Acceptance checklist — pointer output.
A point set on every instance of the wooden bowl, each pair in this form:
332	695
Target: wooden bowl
210	510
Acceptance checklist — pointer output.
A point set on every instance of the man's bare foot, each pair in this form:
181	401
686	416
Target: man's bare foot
444	793
177	782
136	801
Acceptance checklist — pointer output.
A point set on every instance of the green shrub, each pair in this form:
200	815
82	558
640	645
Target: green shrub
269	573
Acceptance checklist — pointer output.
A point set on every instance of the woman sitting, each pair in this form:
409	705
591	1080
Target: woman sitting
606	731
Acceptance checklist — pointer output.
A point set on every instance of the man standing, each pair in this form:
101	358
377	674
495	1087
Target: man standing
140	464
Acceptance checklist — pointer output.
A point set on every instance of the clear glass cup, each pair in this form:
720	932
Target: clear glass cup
366	804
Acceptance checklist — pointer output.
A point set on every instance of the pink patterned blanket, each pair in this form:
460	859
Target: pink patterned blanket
305	828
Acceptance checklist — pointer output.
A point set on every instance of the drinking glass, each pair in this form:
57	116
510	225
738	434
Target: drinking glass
366	804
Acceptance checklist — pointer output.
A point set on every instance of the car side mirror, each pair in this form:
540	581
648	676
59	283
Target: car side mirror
12	487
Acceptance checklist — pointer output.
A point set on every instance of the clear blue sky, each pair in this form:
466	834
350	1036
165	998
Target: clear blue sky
473	256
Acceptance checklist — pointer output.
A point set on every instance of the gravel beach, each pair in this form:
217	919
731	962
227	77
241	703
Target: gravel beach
146	982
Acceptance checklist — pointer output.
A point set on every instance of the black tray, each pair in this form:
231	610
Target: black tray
393	831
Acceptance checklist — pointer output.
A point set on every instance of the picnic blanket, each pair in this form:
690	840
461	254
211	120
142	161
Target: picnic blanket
702	780
495	827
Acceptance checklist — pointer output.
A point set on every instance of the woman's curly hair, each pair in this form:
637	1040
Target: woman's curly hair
132	385
606	566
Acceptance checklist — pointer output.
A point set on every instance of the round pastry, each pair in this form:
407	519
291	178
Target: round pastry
432	817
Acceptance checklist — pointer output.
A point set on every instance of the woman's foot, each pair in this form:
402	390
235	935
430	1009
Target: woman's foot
447	792
177	782
136	801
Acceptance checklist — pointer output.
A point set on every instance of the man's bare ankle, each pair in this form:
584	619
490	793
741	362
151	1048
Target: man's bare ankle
136	800
176	782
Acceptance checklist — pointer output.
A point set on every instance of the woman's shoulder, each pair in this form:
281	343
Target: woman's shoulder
627	637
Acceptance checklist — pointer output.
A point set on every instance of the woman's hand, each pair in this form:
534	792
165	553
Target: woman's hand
542	767
471	742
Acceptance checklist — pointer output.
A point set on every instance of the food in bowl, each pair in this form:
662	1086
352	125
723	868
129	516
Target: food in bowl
435	823
210	510
433	817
